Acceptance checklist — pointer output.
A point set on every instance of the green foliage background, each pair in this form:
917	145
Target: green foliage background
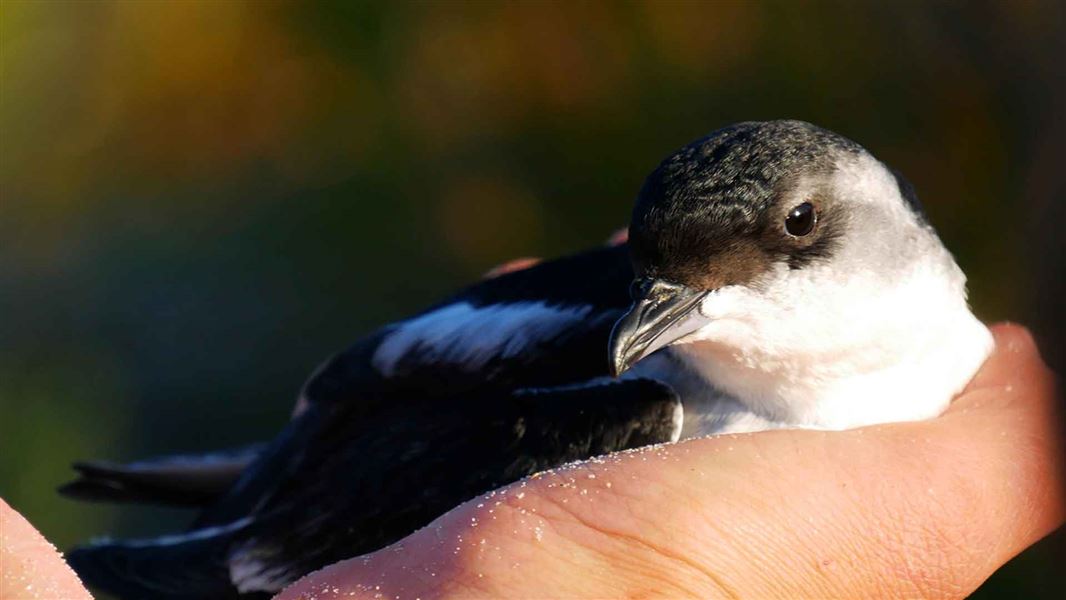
201	200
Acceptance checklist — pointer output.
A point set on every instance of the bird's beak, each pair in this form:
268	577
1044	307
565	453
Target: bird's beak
661	314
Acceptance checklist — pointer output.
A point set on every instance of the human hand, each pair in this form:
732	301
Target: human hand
927	509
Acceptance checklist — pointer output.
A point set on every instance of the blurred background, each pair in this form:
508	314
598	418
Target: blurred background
199	201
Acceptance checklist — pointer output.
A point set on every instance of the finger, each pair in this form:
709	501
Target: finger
619	237
301	406
996	465
31	567
511	266
1014	356
993	461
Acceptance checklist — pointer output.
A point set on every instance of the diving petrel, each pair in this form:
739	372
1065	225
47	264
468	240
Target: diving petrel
776	275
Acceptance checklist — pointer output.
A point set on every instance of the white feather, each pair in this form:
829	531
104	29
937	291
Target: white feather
248	573
471	336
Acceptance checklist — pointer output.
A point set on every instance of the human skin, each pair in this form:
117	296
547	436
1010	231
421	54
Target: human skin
920	509
30	567
927	509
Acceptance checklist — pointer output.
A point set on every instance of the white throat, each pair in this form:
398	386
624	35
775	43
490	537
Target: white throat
907	372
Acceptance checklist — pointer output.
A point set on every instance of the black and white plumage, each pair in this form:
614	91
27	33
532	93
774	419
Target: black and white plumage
766	257
499	382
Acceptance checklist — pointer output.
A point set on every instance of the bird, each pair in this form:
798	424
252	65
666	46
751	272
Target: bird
776	275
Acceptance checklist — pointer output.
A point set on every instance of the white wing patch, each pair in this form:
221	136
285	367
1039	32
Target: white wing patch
249	573
471	336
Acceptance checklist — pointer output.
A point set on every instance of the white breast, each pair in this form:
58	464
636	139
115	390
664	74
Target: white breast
706	410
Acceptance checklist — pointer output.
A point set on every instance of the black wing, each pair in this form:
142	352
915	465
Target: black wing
542	326
362	487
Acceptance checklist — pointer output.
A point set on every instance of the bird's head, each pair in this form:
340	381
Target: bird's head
779	236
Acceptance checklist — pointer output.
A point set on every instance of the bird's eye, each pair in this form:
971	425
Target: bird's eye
800	220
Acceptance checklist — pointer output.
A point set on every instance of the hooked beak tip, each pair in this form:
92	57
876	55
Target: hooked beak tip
625	349
619	364
659	316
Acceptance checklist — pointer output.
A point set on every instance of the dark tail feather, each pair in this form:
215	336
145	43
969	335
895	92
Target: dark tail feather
181	480
182	567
